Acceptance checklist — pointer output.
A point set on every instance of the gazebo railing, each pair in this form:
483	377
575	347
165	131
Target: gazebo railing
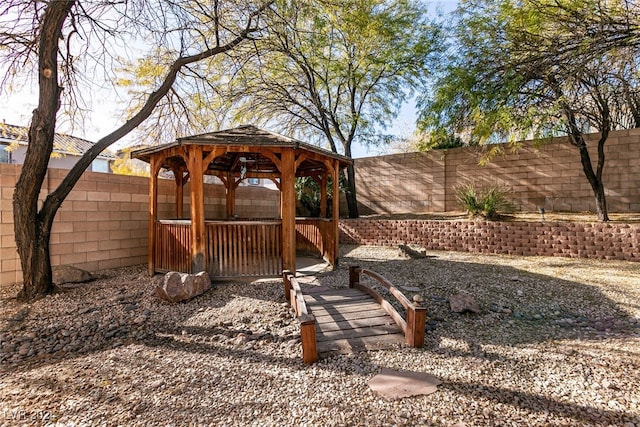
238	248
312	235
244	248
233	248
172	250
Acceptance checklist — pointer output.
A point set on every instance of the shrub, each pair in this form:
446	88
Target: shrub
484	202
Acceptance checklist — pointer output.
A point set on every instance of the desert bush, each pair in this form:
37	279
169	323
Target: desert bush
486	202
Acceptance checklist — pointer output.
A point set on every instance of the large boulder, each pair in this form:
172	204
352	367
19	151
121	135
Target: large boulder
463	302
69	274
176	287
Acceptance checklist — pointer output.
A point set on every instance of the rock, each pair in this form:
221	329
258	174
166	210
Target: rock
412	253
69	274
140	319
393	384
176	287
24	350
462	302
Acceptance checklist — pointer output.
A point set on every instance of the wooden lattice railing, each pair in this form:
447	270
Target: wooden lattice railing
414	325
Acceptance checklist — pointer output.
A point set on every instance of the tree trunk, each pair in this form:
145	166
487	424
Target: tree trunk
594	178
601	203
576	137
352	202
350	193
33	228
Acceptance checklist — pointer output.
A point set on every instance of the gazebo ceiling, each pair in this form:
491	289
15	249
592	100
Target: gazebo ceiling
244	147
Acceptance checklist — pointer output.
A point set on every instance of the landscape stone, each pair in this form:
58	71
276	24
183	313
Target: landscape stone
395	384
462	302
176	287
70	274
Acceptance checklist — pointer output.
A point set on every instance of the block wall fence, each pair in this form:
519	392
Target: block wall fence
548	176
103	223
583	240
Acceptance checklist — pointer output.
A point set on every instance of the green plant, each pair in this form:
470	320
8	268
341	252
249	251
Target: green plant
485	202
308	194
467	197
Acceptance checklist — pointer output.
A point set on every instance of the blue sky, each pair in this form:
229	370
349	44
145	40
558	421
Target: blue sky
16	109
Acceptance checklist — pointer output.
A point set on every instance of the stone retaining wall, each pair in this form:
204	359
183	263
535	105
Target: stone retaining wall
586	240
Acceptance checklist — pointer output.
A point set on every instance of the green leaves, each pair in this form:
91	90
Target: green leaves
519	68
486	202
334	70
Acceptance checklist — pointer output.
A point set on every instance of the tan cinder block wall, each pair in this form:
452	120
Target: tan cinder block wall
103	223
583	240
550	176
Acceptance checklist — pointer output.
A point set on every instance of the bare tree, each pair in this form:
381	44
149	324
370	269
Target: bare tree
54	35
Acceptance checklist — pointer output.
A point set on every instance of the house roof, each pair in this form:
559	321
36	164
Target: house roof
62	143
239	142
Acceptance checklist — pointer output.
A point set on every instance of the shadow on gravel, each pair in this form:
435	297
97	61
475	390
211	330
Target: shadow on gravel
83	319
517	308
532	402
536	313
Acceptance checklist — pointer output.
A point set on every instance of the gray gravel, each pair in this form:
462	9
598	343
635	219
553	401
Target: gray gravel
557	342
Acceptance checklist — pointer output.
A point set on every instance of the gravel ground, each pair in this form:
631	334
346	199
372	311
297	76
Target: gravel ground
557	343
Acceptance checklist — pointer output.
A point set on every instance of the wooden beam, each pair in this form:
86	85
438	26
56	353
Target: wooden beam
178	175
198	236
288	208
236	160
271	156
215	152
276	183
230	186
301	158
156	163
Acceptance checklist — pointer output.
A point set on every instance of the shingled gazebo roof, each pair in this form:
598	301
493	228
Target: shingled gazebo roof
244	143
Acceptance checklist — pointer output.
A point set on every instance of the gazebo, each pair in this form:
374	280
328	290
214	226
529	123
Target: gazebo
234	247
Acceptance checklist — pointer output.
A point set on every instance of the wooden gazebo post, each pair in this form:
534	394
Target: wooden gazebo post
153	211
288	207
178	175
198	237
230	185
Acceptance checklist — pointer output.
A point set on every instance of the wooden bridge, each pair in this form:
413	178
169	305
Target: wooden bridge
355	318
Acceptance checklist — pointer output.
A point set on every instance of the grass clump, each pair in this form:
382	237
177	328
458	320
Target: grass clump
486	202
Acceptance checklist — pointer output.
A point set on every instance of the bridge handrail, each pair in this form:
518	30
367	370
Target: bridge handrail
414	326
293	294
